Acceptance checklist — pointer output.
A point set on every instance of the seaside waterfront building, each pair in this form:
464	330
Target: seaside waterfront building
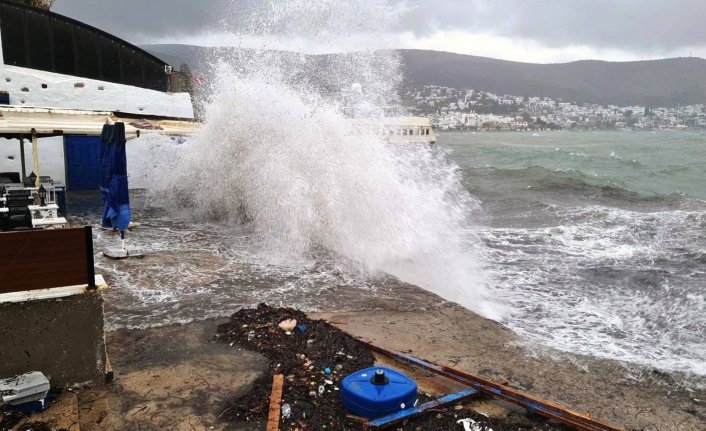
455	108
55	68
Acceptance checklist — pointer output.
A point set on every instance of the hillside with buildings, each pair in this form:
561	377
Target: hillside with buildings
454	108
667	82
462	91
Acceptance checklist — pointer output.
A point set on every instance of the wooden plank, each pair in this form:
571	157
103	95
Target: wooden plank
405	414
275	401
109	374
42	259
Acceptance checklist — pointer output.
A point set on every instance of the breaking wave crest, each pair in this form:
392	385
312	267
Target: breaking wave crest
278	153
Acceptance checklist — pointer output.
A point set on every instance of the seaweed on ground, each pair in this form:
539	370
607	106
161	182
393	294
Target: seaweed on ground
314	357
302	357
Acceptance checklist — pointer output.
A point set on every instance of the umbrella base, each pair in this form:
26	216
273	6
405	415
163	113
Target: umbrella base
131	226
123	253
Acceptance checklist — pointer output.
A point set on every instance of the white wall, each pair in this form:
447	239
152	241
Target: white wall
41	89
51	157
145	156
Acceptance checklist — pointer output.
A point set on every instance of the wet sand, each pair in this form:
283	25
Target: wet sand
177	377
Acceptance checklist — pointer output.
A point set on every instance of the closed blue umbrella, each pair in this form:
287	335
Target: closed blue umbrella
105	171
114	185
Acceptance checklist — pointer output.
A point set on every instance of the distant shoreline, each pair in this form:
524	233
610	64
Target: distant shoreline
566	130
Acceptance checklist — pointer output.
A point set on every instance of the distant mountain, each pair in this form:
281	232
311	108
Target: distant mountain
667	82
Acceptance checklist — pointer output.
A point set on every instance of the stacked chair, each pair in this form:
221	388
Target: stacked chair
18	216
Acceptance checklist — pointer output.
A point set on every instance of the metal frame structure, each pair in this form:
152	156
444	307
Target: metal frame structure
403	415
579	421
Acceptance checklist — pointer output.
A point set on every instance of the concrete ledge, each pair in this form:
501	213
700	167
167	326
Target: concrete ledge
54	292
56	331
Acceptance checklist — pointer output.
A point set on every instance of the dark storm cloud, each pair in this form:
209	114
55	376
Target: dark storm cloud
143	20
625	24
633	25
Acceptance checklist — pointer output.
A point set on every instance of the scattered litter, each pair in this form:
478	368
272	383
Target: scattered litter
327	370
288	325
471	425
25	393
286	411
302	328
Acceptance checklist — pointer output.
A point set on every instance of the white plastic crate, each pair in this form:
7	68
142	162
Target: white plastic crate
33	386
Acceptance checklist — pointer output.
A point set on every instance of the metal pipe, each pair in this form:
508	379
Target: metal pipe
405	414
545	408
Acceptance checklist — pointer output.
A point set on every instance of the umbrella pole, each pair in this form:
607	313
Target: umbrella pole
22	158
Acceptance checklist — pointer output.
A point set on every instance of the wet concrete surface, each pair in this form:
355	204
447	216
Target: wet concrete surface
635	397
177	378
169	378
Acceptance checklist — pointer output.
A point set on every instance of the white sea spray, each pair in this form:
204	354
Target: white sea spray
279	153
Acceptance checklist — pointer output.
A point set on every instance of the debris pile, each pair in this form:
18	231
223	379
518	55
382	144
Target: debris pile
314	356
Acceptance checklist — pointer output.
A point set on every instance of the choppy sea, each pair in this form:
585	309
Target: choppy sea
596	240
594	243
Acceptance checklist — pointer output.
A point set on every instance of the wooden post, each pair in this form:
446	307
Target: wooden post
275	401
90	265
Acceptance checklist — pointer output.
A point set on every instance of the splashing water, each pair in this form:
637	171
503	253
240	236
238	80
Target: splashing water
277	152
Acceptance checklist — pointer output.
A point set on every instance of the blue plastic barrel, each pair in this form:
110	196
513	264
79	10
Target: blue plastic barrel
378	391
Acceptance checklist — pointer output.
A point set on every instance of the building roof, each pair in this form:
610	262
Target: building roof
15	121
86	26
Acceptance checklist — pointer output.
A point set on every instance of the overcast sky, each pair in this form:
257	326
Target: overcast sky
522	30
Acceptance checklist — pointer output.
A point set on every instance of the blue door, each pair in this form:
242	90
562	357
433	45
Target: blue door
82	167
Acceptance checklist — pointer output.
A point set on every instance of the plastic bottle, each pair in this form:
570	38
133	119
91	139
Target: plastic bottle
286	411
